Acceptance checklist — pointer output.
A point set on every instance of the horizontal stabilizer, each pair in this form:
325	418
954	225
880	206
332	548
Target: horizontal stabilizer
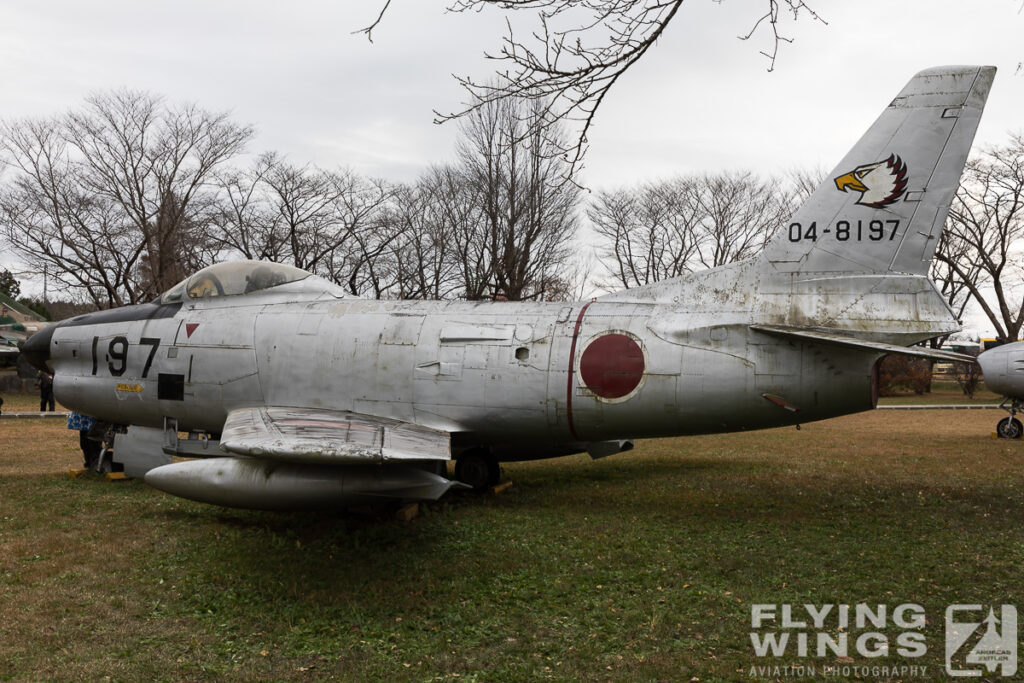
329	437
811	334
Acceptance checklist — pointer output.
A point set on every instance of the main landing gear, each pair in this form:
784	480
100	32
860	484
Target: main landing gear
478	468
1010	427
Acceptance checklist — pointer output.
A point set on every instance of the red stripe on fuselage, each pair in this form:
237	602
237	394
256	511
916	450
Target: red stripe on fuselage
572	372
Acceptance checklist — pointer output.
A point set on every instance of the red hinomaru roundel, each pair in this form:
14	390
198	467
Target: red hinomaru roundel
612	365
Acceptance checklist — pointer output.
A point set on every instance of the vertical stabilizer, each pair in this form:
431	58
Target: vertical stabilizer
882	209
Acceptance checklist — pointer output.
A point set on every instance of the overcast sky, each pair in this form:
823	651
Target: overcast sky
316	92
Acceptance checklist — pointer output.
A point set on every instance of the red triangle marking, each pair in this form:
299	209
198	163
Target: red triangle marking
190	328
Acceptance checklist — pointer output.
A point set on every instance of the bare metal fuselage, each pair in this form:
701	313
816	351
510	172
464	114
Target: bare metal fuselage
1004	370
507	375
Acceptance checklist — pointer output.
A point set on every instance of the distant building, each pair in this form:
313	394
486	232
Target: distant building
991	343
17	320
17	323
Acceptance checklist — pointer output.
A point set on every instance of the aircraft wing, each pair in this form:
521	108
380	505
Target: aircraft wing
814	335
329	437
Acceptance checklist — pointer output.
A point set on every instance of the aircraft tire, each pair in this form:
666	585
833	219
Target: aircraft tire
479	469
1009	428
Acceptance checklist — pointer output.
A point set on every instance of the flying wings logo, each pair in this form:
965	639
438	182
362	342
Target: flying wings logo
981	641
880	183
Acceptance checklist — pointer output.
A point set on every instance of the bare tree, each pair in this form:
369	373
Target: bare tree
457	216
578	49
740	213
111	198
305	202
982	249
247	223
529	211
953	270
666	229
804	181
417	253
647	235
327	222
498	224
428	217
361	208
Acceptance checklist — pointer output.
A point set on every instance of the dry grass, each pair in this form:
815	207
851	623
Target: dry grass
68	562
14	403
942	392
37	447
636	567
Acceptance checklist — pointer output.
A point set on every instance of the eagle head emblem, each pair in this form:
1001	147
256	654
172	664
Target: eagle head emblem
880	183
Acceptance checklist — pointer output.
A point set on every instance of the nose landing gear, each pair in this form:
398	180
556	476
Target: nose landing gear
1010	427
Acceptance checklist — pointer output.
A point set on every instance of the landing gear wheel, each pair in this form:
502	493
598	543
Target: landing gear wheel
1009	428
478	469
105	463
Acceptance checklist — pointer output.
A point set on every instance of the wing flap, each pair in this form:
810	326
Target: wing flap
815	335
329	437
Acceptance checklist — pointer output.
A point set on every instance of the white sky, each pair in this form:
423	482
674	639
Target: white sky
700	101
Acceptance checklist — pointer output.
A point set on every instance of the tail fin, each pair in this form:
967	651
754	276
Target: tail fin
883	208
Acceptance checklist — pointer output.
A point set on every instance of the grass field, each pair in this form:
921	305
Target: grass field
22	402
641	566
943	392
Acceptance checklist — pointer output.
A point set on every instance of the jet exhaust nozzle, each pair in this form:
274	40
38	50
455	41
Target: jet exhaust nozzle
259	484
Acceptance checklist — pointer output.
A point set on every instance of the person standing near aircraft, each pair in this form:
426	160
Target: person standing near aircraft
90	449
44	381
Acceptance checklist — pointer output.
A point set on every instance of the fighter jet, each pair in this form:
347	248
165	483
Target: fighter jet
292	394
1003	368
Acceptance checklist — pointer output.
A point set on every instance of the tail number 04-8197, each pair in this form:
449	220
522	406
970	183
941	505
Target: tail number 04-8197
876	230
117	355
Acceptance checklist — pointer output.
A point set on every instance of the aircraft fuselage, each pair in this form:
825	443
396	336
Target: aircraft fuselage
491	373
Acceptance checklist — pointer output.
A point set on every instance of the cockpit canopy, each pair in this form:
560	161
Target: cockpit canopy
231	279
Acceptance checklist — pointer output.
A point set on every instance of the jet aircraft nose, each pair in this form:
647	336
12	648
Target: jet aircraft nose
1003	368
36	349
992	363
